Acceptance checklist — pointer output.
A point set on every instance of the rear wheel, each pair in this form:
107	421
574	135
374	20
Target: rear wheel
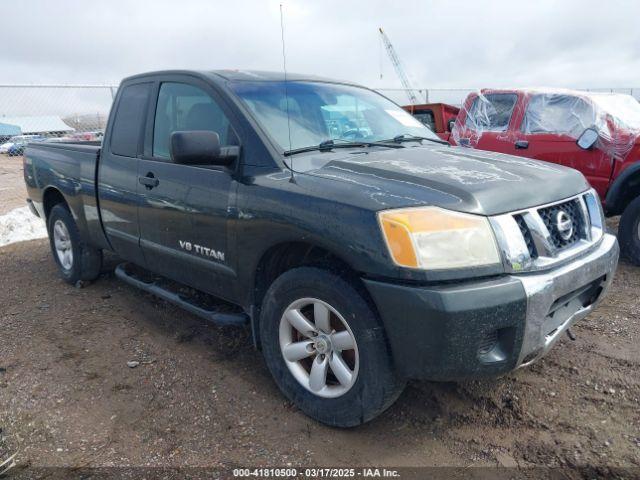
326	348
76	261
629	232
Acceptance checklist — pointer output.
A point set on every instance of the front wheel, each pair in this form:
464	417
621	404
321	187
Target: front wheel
326	348
76	260
629	232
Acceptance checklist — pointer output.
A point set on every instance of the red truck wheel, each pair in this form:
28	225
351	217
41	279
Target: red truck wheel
629	232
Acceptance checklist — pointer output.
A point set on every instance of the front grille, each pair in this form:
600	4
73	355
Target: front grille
526	233
574	213
537	238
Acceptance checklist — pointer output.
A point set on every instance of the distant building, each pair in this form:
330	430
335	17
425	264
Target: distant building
38	125
7	131
87	122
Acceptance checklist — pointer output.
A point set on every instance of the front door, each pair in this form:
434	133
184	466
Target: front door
550	128
184	209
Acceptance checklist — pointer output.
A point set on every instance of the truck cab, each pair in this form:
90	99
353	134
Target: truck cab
438	117
595	133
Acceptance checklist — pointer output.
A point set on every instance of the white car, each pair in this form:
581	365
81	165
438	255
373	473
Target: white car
4	148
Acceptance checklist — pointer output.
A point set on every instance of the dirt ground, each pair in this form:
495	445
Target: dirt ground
202	396
12	191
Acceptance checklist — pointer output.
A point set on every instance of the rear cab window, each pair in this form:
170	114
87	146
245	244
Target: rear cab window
427	118
491	112
129	119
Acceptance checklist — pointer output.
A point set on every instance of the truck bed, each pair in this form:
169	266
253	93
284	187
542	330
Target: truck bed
70	145
70	168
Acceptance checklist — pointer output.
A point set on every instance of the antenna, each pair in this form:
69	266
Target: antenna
286	94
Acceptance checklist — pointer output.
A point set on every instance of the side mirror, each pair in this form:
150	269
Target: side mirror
588	139
200	147
451	123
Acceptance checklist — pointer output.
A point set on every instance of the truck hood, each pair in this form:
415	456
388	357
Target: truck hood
456	178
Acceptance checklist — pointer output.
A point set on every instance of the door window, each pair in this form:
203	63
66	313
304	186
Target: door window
183	107
127	125
491	112
560	114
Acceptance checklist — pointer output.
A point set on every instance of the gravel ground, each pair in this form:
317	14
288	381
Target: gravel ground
202	396
13	193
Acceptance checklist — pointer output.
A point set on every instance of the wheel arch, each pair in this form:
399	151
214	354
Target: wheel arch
287	255
624	189
50	198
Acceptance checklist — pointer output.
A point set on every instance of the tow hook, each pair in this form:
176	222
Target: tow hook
571	335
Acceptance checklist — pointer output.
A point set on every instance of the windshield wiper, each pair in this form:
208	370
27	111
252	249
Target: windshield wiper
329	145
408	137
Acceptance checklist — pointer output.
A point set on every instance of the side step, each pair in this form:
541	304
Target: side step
220	312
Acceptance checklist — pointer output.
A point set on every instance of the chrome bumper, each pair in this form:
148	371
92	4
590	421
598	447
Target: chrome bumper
558	298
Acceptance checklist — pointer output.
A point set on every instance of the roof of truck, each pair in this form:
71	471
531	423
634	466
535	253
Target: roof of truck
550	91
266	76
244	75
428	106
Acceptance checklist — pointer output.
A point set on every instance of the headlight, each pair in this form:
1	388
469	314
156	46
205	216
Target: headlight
433	238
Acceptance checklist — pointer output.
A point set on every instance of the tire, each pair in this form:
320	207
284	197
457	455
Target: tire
374	383
629	232
76	260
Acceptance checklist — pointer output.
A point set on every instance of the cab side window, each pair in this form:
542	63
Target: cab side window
491	112
183	107
130	114
559	114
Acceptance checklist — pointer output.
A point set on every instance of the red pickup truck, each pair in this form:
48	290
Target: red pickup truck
439	117
595	133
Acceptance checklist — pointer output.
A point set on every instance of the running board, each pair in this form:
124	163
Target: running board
154	287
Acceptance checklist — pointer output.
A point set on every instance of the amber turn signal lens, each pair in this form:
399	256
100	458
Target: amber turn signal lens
435	238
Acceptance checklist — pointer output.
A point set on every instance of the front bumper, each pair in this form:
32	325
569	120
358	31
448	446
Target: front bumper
490	327
559	298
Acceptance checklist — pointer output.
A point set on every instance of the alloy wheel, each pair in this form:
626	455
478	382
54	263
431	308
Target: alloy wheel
62	242
319	347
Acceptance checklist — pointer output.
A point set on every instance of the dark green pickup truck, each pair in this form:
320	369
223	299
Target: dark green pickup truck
361	250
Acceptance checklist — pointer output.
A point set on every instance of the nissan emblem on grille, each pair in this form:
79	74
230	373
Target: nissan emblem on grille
564	224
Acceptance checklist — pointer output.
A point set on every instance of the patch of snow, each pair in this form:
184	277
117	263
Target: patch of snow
20	225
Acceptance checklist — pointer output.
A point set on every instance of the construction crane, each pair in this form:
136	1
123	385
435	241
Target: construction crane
395	60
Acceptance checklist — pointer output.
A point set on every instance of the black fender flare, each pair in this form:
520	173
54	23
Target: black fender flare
615	198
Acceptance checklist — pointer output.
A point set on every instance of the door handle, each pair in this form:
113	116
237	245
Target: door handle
522	144
149	181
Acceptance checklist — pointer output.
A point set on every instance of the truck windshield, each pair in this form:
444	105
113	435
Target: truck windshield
319	112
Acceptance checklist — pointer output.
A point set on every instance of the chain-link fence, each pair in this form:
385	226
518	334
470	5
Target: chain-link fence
455	96
52	113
